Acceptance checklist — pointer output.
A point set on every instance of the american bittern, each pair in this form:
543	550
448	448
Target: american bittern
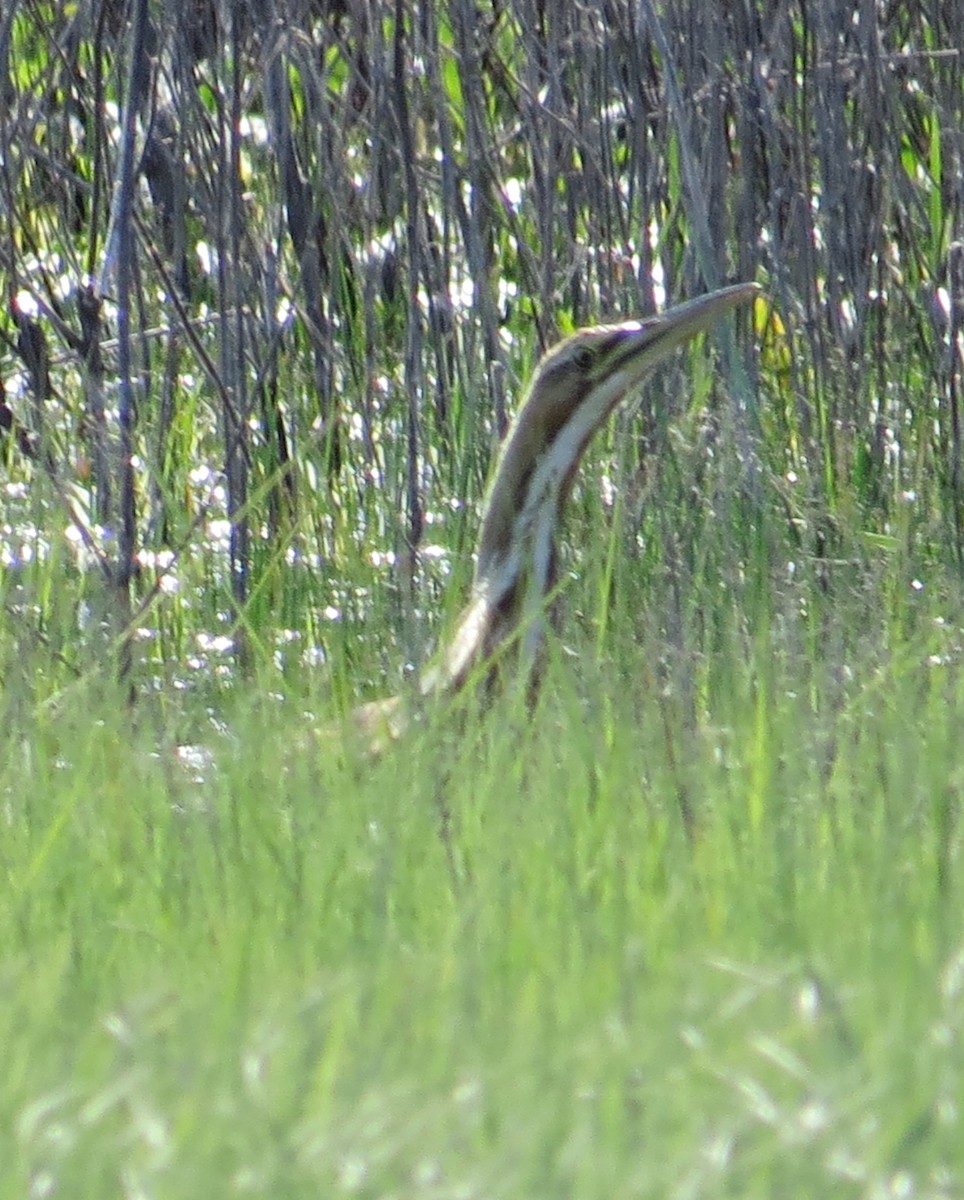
575	387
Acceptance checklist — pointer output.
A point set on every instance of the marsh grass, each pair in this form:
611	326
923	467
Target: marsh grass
694	928
276	973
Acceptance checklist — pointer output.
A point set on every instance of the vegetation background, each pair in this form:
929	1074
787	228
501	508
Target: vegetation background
274	273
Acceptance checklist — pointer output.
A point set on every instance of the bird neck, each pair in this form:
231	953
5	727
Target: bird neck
509	604
515	570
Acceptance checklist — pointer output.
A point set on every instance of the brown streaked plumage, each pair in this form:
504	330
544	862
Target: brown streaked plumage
574	388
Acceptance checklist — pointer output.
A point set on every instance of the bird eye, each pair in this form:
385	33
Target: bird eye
583	358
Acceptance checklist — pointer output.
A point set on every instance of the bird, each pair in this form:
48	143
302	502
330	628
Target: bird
574	389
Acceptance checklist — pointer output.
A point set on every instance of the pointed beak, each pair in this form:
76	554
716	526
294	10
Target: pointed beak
645	343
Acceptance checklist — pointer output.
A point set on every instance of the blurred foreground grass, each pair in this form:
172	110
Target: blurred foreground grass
275	972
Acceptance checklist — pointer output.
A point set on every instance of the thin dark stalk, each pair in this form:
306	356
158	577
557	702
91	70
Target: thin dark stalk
413	345
137	88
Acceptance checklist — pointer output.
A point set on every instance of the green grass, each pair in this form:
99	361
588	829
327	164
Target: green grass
693	931
275	975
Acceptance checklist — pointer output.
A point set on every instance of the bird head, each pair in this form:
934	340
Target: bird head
575	387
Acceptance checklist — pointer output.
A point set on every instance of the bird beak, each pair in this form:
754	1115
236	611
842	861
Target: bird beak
641	345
